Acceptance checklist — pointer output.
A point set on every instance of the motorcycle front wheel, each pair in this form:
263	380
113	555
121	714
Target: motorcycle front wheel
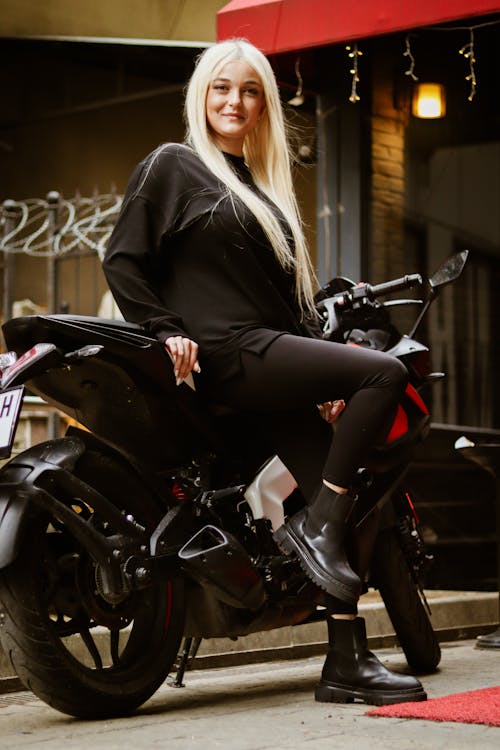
404	606
85	653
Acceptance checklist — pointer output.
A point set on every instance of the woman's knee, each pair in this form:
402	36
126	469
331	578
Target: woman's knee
388	373
396	373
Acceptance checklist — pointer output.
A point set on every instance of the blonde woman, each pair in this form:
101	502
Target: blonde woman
209	256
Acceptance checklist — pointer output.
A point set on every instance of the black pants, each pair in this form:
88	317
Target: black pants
293	375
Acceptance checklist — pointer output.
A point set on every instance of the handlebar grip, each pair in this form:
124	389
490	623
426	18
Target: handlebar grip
397	285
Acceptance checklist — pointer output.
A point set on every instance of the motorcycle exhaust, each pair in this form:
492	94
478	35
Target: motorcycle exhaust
215	558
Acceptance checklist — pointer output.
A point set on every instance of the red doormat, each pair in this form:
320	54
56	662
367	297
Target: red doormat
476	707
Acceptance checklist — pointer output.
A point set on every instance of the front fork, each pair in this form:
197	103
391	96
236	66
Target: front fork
373	511
411	541
396	510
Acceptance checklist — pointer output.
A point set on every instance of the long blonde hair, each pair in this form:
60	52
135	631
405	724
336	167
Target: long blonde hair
266	153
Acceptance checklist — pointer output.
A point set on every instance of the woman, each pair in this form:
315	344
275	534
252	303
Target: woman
209	255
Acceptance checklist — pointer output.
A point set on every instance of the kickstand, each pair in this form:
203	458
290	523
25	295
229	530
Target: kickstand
188	653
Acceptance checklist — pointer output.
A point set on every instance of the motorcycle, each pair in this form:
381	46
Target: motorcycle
152	519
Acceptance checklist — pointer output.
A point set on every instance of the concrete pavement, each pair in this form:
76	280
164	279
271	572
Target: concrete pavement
262	707
255	694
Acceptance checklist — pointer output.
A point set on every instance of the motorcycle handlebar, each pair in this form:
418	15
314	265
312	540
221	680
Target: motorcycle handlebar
397	285
340	306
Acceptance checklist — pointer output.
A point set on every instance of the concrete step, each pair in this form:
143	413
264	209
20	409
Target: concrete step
455	615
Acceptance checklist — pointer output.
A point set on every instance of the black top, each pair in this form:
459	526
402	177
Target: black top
184	258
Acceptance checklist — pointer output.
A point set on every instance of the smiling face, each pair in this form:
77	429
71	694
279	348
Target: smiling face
234	104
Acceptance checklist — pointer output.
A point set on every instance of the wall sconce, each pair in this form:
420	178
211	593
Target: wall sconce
429	101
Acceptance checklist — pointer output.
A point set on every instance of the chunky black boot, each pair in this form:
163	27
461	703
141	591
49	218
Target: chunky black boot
316	534
352	672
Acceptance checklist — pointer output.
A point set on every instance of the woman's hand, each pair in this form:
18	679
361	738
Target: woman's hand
331	410
184	353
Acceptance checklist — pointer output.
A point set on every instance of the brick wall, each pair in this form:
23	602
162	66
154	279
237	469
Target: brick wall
385	224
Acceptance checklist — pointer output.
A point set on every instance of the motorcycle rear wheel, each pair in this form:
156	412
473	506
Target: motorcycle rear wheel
77	650
404	606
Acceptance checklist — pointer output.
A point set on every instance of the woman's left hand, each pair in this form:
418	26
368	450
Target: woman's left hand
331	410
184	353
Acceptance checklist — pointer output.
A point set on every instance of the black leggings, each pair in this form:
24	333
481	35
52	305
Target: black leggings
295	373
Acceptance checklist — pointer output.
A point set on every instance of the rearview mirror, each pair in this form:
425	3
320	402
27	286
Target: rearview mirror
449	271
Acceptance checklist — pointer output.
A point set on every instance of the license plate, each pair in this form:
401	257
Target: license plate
11	402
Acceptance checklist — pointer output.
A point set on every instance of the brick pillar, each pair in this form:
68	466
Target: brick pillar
386	206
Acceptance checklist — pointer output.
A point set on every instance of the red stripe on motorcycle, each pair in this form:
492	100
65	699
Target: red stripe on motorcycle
413	395
399	426
412	507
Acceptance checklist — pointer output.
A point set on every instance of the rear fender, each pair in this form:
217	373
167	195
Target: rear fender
18	489
40	481
13	516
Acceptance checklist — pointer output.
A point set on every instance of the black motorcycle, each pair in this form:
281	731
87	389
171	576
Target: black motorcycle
154	518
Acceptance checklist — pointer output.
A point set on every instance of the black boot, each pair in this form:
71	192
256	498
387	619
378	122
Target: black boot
352	672
316	534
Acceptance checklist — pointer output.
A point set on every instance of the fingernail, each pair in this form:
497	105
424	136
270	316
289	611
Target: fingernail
176	373
178	381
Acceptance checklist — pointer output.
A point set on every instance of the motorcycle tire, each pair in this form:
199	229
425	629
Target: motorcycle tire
404	606
79	651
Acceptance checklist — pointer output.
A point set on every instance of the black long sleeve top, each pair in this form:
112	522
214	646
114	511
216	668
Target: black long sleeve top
187	259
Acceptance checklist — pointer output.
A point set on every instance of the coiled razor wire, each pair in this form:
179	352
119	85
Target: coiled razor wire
57	226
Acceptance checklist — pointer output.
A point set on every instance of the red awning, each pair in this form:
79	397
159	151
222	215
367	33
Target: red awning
286	25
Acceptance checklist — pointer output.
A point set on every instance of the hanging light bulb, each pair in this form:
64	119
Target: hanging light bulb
429	101
298	99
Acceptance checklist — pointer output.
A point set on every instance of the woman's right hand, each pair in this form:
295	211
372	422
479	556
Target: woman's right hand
331	410
184	353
